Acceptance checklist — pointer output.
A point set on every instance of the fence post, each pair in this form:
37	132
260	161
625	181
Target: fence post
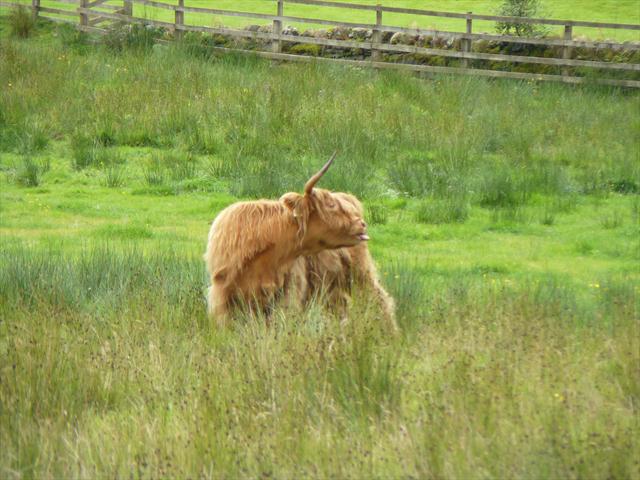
276	45
84	18
376	35
127	8
466	44
179	20
566	50
35	7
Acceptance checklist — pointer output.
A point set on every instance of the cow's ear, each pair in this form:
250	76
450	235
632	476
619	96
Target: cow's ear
293	201
298	205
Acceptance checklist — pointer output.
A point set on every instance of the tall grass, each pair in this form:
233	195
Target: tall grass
270	127
112	369
109	366
28	172
21	22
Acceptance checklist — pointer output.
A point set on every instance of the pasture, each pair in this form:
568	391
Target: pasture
504	217
615	11
624	11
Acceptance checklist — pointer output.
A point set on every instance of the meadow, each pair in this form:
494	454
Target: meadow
614	11
504	217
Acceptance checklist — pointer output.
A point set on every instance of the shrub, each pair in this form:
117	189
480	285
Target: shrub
21	22
306	49
520	8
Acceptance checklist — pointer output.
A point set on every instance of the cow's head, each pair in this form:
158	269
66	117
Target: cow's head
326	219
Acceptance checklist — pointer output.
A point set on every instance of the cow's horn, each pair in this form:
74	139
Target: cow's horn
313	180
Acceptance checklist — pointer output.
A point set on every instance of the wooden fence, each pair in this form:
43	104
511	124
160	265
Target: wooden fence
95	15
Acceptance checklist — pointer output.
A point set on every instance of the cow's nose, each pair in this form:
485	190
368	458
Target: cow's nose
364	225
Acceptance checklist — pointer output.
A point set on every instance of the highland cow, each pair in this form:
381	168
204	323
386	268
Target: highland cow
253	246
330	275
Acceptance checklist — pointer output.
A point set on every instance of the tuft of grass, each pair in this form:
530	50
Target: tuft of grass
376	213
624	186
21	22
502	186
584	247
436	211
181	165
137	38
29	138
114	176
72	38
413	174
407	286
510	215
84	152
612	220
123	232
218	168
548	217
154	171
365	383
29	171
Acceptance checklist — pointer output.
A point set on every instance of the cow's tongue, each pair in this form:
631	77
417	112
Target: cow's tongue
363	236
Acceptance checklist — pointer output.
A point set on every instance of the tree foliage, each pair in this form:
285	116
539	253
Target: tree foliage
520	8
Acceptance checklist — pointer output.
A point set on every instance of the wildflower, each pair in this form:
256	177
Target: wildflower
594	285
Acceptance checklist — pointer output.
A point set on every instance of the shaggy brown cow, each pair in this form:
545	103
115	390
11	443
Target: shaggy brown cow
253	245
331	274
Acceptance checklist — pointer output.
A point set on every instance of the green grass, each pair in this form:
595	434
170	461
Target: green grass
504	217
615	11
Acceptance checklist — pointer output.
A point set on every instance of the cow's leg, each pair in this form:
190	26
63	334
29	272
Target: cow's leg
218	305
296	286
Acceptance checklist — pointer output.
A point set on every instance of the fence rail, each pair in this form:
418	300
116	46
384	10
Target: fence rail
92	13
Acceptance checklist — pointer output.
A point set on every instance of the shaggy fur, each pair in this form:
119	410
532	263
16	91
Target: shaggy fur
252	246
331	274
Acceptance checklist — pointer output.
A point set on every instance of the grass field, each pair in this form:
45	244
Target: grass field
615	11
505	219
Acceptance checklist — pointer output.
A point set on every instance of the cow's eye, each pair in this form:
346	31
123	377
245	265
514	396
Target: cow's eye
332	205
